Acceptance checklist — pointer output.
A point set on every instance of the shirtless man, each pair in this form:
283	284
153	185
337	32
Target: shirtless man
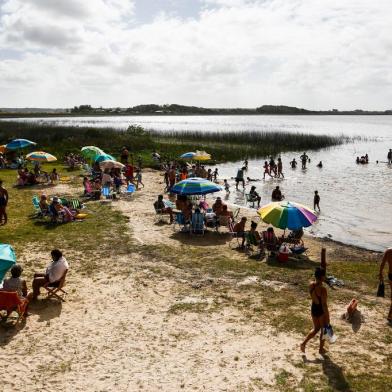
387	259
3	204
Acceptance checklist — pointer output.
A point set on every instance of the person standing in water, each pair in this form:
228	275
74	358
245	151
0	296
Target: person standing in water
3	204
240	178
316	201
389	156
280	168
319	309
293	164
387	259
266	170
304	160
246	165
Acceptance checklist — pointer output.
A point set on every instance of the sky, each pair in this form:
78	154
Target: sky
316	54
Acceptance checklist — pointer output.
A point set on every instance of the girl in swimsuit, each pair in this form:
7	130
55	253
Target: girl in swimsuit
319	309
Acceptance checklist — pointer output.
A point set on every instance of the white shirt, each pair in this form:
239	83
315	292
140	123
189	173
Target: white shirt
56	270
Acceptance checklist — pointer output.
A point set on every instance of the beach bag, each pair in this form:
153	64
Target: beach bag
381	289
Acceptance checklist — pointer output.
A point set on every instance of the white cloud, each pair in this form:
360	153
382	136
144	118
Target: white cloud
309	53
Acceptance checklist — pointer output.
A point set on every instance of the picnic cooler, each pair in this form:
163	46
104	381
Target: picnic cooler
283	254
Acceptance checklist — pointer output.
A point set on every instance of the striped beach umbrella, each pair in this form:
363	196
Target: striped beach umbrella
41	156
287	215
17	144
195	186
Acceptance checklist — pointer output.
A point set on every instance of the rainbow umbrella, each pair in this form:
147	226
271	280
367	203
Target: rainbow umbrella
287	215
41	156
7	259
195	186
17	144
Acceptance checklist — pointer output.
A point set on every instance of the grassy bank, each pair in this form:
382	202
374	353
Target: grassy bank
228	146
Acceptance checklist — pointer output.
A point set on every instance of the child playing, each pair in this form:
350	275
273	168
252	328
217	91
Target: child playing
316	201
227	186
139	178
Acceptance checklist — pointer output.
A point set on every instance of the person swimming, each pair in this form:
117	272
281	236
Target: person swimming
320	164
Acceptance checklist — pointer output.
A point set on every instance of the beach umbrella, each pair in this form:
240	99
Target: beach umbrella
41	156
7	259
195	186
110	165
287	215
17	144
91	152
202	156
188	155
104	157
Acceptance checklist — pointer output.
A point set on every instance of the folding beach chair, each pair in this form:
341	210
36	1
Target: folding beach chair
107	193
130	190
197	224
55	289
11	302
181	222
250	199
75	204
36	206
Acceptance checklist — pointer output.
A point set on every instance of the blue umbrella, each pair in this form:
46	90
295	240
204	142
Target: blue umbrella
195	186
188	155
16	144
104	157
7	259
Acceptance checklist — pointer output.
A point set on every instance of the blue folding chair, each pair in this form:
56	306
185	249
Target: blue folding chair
107	193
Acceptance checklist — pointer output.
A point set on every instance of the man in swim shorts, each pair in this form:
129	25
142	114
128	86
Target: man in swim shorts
387	259
3	204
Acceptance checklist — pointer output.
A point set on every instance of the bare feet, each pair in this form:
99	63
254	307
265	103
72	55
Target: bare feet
302	347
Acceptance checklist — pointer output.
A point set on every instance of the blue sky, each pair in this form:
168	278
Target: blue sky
318	54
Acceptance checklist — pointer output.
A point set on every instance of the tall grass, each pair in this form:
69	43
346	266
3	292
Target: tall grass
252	144
224	146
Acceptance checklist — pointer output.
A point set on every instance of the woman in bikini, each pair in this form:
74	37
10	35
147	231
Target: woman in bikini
319	309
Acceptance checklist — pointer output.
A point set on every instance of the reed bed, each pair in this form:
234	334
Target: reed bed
224	146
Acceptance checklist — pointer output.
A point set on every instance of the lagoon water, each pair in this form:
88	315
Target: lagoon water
356	200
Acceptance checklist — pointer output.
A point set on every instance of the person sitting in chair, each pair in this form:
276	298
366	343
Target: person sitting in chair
239	229
270	240
217	206
254	196
54	272
161	208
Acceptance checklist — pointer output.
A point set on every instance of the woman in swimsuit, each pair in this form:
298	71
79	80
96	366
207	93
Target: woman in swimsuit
319	309
3	204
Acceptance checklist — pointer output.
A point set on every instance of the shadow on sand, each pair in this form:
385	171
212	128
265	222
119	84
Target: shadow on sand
46	309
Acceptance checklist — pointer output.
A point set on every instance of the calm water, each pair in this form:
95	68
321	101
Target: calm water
356	200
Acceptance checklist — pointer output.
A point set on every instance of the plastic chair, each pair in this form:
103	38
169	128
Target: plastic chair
106	192
10	301
197	224
180	221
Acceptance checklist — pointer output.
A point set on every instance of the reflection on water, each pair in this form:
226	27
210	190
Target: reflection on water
356	200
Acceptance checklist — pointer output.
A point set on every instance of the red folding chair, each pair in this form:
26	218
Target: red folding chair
11	302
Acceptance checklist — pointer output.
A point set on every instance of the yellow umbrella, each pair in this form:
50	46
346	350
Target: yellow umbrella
202	156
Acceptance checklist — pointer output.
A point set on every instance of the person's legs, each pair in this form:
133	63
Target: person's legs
2	211
312	333
39	281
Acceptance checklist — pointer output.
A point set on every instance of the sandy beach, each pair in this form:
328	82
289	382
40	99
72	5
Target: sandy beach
166	317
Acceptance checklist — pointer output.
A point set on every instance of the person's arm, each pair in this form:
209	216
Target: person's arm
383	262
324	301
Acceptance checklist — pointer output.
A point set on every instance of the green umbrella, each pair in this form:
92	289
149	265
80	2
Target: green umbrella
90	152
7	259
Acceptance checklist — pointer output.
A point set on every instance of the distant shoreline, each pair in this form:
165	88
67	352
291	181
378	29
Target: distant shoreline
180	110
